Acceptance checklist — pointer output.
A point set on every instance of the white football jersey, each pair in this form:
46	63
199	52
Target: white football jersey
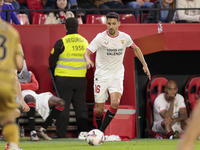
161	104
109	54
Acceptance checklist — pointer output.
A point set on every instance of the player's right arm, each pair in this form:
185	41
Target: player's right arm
89	62
92	47
168	113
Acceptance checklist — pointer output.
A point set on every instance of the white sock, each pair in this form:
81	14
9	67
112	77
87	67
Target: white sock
171	137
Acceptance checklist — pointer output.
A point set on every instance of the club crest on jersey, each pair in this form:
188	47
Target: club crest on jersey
176	104
122	41
106	42
159	107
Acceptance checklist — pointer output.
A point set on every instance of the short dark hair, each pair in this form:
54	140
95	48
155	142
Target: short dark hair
71	24
112	15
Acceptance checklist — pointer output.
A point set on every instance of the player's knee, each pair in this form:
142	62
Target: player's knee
29	98
115	104
99	111
61	103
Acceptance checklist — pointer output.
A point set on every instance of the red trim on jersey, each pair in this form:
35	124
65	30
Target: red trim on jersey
166	99
112	36
182	107
89	50
161	110
31	104
132	45
59	108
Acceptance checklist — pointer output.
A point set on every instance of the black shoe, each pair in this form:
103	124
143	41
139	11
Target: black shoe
176	135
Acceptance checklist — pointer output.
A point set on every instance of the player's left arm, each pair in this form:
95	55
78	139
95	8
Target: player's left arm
182	115
140	56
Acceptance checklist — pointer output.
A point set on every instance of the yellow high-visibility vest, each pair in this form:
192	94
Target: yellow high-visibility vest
71	61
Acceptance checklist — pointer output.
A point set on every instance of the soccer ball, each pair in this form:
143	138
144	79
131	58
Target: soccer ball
95	137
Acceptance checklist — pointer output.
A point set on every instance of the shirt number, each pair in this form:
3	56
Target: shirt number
2	47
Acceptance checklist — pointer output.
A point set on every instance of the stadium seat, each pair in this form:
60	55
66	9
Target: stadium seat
144	17
127	18
80	20
23	19
39	18
155	87
96	19
192	88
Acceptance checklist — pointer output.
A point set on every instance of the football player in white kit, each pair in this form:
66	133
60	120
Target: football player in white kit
170	112
110	47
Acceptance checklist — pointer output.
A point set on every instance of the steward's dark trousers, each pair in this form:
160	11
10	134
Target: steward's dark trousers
72	90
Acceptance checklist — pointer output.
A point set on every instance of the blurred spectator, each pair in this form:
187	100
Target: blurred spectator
23	6
165	16
45	6
138	4
12	14
59	17
14	3
72	4
182	16
50	3
112	4
87	4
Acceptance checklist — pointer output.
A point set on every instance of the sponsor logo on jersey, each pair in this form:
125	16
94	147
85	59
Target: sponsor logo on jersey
106	42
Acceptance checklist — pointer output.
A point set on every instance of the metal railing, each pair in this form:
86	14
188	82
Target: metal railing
101	10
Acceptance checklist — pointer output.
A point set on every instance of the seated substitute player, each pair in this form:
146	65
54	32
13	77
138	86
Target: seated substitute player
170	112
42	103
10	59
110	47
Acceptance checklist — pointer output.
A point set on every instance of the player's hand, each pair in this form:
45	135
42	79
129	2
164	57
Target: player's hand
146	70
89	64
25	107
167	120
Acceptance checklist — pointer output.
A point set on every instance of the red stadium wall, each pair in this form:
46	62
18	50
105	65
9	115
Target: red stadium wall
38	40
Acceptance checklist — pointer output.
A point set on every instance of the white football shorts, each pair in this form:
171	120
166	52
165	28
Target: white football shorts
42	105
101	89
175	127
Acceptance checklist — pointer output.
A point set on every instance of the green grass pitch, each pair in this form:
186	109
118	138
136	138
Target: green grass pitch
75	144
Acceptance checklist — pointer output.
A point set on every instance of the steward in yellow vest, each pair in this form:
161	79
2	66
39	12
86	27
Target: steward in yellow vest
69	68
